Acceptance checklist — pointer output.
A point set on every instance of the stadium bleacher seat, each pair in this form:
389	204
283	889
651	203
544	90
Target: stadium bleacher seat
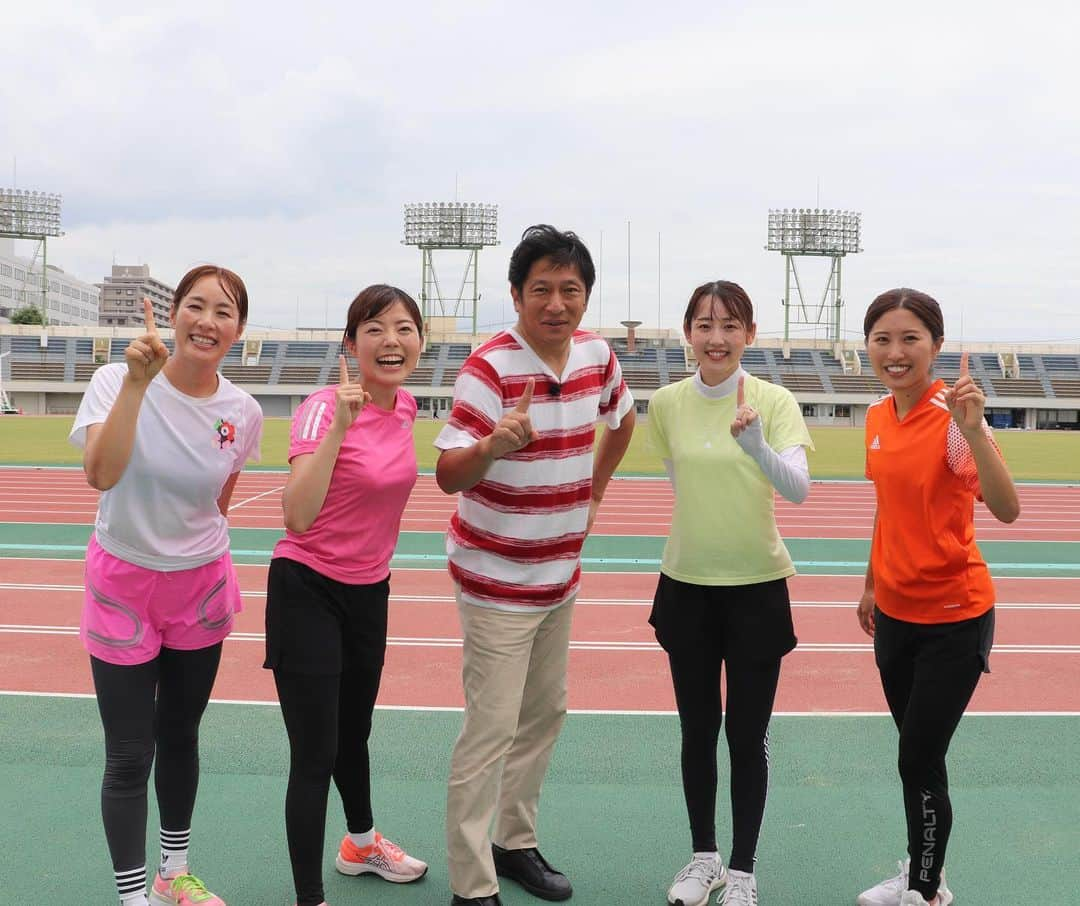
306	363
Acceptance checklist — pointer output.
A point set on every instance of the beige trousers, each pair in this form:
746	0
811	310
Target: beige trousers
514	673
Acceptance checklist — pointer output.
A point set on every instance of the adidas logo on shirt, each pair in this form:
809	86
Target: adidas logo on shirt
875	444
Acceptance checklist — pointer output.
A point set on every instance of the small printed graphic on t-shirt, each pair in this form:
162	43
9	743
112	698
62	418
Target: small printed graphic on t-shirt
875	444
226	432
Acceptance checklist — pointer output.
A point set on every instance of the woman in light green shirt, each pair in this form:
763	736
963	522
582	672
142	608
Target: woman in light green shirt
728	441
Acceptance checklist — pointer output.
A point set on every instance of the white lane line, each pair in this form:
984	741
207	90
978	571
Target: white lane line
237	506
650	647
842	604
590	712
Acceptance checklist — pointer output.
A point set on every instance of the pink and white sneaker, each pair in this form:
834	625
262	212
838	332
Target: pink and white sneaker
383	858
183	890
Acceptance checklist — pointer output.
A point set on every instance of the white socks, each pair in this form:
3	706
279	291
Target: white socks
131	886
365	839
174	852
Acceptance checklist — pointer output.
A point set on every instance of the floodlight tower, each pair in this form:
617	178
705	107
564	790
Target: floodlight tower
34	216
801	232
450	226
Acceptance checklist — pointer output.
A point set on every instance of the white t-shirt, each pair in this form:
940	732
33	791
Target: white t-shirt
162	514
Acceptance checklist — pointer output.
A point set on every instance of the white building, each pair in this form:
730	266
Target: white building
70	301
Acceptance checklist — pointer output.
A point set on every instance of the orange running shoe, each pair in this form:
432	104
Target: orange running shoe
383	858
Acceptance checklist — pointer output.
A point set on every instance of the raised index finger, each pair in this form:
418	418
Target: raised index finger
963	364
148	316
343	370
526	398
740	394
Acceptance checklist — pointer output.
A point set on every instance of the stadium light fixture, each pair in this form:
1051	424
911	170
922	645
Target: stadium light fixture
814	232
802	231
34	216
450	226
29	215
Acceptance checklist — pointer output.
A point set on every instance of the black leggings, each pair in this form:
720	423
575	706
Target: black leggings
751	690
325	642
328	719
929	673
148	708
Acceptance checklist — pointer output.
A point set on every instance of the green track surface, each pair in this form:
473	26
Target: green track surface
612	814
1032	455
602	553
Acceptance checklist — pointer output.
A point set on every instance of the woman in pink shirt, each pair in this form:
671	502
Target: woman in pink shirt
352	467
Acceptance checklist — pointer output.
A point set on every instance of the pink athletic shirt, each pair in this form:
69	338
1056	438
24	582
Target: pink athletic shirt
353	537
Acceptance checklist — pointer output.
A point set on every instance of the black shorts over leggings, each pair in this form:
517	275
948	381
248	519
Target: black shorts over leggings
736	622
744	631
318	626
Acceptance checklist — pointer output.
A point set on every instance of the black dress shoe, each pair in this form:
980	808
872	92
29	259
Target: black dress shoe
493	900
532	871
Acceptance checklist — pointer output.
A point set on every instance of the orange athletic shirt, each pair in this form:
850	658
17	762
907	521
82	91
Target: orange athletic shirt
927	567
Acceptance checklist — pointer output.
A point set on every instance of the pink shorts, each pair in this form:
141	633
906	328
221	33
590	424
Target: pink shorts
130	613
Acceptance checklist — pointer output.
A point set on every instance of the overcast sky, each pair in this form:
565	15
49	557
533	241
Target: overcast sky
284	145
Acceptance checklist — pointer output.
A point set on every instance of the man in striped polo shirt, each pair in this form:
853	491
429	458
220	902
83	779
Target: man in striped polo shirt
519	447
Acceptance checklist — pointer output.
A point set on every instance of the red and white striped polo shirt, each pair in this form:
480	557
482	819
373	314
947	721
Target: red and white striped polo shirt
515	541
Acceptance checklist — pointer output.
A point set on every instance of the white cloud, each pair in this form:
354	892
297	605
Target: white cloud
285	144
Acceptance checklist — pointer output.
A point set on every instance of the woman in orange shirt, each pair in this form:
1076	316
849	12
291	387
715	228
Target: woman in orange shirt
929	599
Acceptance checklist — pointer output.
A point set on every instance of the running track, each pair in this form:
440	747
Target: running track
631	507
615	662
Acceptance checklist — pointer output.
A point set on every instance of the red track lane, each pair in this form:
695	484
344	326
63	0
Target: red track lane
631	507
617	587
604	681
619	667
603	626
600	679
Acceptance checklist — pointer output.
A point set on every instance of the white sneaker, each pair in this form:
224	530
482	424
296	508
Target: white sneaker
890	892
692	886
741	889
914	898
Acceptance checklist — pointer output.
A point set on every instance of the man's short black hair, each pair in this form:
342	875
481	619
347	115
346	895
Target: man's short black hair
563	249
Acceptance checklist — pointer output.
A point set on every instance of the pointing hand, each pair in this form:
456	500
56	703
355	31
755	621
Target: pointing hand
514	429
966	401
146	355
351	397
745	414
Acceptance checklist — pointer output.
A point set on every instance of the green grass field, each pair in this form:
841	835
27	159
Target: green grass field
1032	455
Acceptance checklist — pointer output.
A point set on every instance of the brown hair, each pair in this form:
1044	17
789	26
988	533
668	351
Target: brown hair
734	297
373	301
230	283
919	304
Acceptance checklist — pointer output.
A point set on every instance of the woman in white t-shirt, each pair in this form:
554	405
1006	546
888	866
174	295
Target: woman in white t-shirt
164	437
728	440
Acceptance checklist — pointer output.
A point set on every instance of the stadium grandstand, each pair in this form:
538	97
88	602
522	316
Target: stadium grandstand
45	371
